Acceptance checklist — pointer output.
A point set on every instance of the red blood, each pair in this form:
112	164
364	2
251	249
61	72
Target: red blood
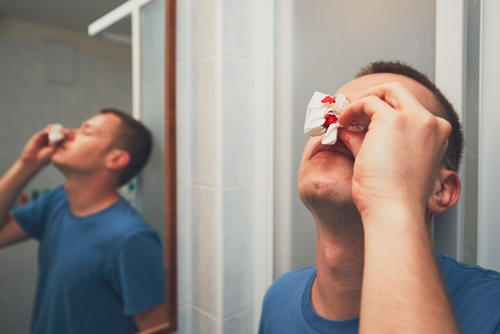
330	119
328	99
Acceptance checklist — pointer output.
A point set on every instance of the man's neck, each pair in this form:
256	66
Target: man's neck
89	196
336	291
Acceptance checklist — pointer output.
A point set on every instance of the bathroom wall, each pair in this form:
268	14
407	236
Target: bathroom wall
216	178
28	102
321	44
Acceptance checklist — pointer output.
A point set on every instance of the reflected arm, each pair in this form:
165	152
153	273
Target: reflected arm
153	320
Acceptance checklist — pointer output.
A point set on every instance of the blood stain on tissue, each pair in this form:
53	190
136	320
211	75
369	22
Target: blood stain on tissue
330	119
328	99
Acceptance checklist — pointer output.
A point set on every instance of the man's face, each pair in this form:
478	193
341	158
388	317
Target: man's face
85	148
325	174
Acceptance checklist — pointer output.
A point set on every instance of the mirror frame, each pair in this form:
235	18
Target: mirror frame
170	167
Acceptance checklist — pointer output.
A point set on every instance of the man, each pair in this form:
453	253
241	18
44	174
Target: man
372	196
100	264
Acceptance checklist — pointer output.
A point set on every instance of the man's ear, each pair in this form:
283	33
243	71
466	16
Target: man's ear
117	159
445	192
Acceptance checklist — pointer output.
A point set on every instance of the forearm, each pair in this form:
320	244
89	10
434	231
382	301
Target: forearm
402	288
12	183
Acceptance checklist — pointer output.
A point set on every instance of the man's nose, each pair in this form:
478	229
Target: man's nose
69	134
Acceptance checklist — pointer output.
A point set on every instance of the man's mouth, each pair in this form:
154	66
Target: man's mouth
339	147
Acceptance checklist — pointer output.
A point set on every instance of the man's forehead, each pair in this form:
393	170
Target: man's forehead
106	118
106	122
355	87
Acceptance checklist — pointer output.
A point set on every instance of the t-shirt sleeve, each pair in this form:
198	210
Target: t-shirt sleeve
33	216
138	272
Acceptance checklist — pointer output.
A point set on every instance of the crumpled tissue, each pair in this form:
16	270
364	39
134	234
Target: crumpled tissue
322	117
55	134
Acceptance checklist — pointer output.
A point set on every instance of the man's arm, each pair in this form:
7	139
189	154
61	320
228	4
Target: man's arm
152	321
36	154
397	162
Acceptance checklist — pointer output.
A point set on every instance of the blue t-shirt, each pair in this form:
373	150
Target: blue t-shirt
473	291
96	271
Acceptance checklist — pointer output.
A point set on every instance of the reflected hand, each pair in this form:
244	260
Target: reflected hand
37	151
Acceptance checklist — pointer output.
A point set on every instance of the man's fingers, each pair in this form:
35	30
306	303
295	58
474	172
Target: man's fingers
382	98
394	94
352	140
365	107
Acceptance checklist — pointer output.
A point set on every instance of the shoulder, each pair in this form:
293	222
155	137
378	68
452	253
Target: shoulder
459	274
128	220
281	310
475	294
289	285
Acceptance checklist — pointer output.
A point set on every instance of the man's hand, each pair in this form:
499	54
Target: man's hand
397	159
37	151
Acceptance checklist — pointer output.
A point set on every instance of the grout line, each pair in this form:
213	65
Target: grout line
211	316
239	312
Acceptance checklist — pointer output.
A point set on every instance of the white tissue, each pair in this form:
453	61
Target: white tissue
55	134
317	112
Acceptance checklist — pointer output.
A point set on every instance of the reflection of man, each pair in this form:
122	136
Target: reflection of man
372	196
100	264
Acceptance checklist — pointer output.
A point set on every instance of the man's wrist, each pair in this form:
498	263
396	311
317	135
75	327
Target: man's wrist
28	168
393	214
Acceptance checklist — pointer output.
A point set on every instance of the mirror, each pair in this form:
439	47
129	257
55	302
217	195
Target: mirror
24	90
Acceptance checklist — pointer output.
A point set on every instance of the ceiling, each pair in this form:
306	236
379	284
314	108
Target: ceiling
68	14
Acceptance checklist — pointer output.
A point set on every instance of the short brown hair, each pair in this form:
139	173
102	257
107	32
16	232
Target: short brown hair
133	137
443	109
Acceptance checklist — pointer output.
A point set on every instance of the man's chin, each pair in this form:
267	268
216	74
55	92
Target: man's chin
326	197
57	163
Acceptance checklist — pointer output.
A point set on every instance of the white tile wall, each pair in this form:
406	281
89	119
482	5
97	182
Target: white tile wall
238	28
238	249
184	244
185	322
202	323
241	323
204	253
203	135
21	62
203	28
238	121
183	119
183	30
230	282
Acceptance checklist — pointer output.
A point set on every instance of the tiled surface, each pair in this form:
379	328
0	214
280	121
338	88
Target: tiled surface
185	320
17	287
238	121
204	252
236	128
237	30
203	135
21	62
238	249
184	244
203	28
241	323
184	124
201	323
183	30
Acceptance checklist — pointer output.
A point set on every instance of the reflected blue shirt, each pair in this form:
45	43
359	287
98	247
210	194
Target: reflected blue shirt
96	271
